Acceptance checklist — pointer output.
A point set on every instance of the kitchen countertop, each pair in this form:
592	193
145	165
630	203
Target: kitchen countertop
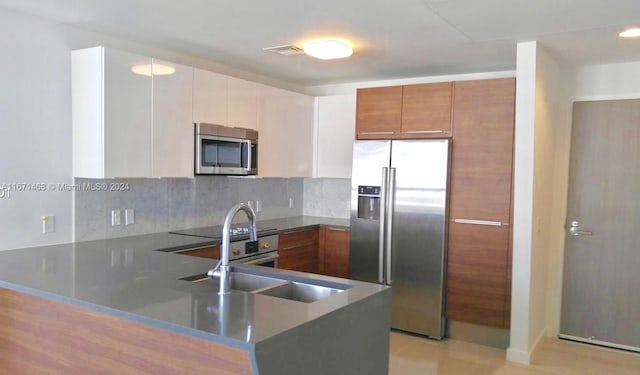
127	277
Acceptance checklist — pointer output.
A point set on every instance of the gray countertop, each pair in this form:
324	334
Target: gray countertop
127	277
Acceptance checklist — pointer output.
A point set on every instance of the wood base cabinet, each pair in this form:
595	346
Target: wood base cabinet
298	250
334	252
477	274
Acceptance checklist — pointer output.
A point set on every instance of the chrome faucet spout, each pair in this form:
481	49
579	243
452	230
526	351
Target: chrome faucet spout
222	269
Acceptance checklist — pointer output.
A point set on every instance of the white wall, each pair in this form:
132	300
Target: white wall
608	81
519	350
548	102
35	129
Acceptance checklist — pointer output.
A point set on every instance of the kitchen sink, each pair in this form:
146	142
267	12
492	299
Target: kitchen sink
272	287
240	281
300	292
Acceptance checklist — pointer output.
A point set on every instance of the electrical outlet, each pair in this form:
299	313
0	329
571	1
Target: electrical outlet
48	223
290	202
116	218
129	217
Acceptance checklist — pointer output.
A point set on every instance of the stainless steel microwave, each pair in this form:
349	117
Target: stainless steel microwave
221	150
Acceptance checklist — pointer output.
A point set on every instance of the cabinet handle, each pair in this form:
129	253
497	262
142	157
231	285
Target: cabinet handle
425	131
339	229
480	222
297	246
297	231
376	133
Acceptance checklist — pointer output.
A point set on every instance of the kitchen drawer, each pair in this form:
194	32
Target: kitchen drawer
298	238
212	252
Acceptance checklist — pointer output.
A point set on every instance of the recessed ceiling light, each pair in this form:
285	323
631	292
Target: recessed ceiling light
326	49
633	32
153	69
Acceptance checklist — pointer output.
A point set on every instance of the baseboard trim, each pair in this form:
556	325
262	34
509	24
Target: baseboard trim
518	356
524	357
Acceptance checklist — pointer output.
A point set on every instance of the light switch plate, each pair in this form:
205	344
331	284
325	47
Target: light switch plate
258	206
48	223
116	218
129	216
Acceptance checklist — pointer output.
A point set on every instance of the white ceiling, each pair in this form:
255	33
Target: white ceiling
392	38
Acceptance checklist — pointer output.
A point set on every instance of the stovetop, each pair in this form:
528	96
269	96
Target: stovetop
215	232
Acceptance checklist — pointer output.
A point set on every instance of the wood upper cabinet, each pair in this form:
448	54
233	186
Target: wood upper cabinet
479	247
298	250
333	259
404	112
426	109
378	112
211	252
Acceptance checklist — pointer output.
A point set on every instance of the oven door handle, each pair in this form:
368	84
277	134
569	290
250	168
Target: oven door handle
263	259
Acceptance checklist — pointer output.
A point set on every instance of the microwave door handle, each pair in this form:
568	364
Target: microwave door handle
248	168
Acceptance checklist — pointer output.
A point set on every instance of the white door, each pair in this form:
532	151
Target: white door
601	282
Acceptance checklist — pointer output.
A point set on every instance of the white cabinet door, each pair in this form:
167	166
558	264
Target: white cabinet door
173	128
335	133
286	133
209	97
242	103
111	114
127	116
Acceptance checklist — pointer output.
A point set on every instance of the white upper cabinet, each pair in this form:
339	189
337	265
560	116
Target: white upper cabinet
111	114
128	124
285	123
242	105
209	97
172	129
224	100
334	135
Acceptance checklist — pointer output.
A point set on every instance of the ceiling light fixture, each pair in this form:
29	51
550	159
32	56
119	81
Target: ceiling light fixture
326	49
153	69
633	32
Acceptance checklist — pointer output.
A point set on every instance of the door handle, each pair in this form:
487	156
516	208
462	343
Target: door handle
575	231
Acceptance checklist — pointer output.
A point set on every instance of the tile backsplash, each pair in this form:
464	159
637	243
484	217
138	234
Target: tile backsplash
161	205
329	197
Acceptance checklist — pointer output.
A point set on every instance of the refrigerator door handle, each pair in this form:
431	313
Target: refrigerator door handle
381	232
391	198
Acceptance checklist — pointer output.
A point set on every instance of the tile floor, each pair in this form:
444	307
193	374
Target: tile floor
411	355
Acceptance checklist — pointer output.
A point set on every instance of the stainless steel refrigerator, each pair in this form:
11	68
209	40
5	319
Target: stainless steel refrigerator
399	199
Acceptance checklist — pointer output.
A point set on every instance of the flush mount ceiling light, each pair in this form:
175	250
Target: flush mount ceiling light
633	32
153	69
326	49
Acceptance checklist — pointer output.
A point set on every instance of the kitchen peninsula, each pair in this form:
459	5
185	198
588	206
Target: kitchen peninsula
118	305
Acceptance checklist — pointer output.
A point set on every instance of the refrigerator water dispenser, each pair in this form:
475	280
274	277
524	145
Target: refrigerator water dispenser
369	202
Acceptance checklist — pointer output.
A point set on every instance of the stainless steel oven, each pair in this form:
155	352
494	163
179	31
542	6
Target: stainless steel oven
265	260
221	150
263	252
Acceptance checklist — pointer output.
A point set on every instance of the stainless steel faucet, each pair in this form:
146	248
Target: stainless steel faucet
222	269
